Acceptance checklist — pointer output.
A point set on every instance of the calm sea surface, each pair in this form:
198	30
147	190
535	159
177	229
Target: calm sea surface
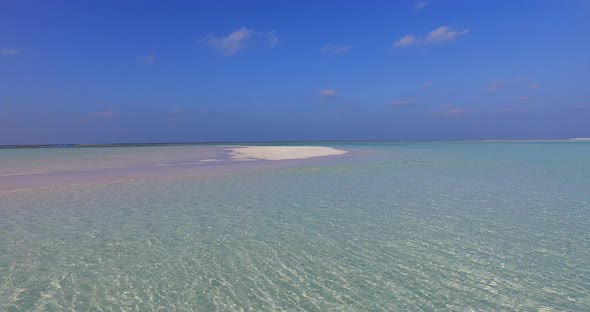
441	226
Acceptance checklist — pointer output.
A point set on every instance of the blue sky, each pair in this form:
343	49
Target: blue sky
170	71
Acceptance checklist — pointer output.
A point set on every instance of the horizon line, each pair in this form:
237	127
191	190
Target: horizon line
70	145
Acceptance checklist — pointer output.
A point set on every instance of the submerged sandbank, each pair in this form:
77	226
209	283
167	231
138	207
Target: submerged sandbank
282	152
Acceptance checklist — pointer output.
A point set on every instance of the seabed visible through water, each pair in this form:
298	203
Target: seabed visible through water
434	226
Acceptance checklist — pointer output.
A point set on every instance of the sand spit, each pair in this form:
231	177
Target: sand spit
282	152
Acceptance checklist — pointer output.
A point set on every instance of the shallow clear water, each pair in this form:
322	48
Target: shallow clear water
393	226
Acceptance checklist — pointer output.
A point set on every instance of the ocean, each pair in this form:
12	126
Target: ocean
390	226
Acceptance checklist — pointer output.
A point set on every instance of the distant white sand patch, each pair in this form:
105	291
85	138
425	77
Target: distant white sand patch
282	152
211	160
579	139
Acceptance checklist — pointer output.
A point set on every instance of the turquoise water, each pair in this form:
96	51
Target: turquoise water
454	226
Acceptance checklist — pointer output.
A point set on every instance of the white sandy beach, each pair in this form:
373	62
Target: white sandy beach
282	152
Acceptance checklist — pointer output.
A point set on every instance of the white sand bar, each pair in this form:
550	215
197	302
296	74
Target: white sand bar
282	152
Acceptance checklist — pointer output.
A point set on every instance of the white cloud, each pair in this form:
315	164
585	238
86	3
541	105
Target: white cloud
534	85
421	4
108	114
239	40
406	41
524	98
403	102
439	35
335	49
444	34
328	93
146	58
9	52
451	111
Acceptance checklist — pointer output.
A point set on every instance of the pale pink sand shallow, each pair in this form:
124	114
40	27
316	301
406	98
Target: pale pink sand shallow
123	163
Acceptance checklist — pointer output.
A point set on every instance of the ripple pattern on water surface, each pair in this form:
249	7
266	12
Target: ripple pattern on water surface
397	236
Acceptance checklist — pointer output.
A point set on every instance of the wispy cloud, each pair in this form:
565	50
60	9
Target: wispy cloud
108	114
176	114
444	34
524	98
439	35
494	85
403	102
406	41
335	49
427	85
9	52
326	93
240	39
175	111
421	4
451	111
582	106
146	59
